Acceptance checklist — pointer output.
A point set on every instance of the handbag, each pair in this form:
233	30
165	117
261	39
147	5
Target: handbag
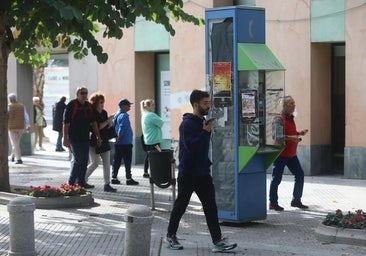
44	123
112	133
144	146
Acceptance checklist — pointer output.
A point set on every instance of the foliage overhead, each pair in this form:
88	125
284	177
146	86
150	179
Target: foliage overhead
40	25
31	29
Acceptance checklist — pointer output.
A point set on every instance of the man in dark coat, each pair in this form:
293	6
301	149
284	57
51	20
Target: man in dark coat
58	113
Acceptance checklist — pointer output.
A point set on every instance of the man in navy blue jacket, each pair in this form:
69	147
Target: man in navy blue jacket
194	173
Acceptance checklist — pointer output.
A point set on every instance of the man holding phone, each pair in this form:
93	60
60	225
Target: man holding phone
194	173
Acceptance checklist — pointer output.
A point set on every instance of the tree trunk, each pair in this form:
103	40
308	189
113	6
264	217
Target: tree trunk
38	83
4	54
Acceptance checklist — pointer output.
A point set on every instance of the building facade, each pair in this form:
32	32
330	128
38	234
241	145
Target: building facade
319	42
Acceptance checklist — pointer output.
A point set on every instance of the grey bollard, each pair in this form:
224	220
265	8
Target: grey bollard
138	231
21	227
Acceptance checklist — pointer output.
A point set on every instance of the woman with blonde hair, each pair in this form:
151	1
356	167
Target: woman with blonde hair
38	119
151	129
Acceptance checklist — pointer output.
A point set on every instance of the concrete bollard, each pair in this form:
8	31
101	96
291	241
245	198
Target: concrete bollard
21	227
138	231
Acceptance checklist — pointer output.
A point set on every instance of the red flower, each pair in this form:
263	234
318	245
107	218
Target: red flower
339	212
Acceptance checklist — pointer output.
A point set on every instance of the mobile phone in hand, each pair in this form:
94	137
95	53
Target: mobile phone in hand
210	120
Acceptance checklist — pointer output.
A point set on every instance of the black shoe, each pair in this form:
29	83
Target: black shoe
12	159
146	175
131	182
108	188
19	161
115	181
88	186
60	149
276	207
299	205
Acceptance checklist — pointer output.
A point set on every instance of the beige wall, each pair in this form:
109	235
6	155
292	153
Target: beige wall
355	74
288	36
320	94
187	64
117	76
145	84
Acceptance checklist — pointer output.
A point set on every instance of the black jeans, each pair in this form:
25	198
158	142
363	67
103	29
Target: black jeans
149	148
205	191
125	152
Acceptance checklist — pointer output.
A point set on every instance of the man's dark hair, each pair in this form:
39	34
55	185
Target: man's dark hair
197	96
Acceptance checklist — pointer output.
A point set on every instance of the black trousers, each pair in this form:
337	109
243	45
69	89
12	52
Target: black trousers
125	152
205	190
149	148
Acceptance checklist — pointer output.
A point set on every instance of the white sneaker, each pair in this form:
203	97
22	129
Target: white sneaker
223	245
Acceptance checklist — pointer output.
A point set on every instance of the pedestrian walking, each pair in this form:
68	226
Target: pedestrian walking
103	151
18	122
194	173
78	118
288	157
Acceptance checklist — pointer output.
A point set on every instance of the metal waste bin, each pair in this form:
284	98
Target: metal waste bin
162	172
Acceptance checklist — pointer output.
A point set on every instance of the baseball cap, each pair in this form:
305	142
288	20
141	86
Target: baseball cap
124	102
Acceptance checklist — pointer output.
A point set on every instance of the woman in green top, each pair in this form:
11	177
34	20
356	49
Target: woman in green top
151	129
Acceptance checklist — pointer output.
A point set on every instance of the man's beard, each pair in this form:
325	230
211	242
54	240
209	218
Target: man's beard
202	111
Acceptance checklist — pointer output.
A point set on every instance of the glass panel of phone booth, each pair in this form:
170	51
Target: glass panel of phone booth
219	82
260	95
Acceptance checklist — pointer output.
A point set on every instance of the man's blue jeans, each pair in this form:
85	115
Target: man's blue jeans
295	168
59	141
79	162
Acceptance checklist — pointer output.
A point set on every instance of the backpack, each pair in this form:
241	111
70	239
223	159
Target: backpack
76	108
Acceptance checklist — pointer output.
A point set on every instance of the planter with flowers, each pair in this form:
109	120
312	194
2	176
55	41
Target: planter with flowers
343	228
66	196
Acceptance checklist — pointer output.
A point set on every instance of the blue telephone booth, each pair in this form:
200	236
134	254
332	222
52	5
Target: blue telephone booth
246	83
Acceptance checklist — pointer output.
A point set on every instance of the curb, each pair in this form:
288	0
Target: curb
328	234
52	202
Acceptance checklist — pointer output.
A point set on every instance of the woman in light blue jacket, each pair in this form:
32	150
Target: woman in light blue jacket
151	129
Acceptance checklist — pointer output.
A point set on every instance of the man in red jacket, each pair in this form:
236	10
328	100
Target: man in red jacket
288	158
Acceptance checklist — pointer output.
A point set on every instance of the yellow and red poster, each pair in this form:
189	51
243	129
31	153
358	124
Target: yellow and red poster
221	77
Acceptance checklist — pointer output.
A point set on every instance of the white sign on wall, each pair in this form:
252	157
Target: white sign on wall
165	103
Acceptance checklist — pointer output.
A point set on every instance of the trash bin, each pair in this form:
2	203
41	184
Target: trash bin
160	164
162	172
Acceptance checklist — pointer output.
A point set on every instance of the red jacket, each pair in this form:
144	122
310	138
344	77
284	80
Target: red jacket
289	129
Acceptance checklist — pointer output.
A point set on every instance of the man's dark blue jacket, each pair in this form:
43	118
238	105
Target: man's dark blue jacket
194	143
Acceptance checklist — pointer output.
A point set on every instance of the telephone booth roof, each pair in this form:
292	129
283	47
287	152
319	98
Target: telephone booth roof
257	57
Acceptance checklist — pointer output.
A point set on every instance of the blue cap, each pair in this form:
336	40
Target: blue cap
124	102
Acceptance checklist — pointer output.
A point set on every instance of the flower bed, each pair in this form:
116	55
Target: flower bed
66	196
343	228
352	220
49	191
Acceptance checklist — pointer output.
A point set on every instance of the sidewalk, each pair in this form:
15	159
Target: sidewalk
99	230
